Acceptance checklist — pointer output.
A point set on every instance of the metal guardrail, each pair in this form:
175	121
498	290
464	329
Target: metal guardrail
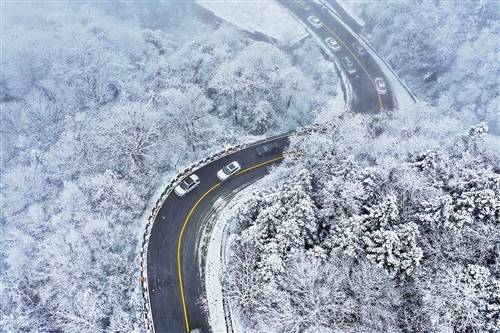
344	80
148	316
358	33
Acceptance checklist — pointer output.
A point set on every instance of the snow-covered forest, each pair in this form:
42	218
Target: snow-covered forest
447	51
99	102
380	224
387	223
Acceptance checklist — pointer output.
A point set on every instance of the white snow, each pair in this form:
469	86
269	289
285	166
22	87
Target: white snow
403	99
400	92
351	10
213	270
224	210
266	17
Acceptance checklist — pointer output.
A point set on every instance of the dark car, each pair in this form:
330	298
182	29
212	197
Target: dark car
348	65
360	50
268	148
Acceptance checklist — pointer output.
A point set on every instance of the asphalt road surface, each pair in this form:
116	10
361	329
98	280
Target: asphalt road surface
174	280
365	98
179	219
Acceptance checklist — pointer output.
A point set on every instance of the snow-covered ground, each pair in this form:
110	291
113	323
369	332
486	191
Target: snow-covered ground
213	268
350	8
400	90
272	19
216	227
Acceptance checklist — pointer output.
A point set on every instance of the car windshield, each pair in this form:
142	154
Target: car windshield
186	184
228	169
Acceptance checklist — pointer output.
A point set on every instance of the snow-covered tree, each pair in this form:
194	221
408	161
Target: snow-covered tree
395	248
259	86
416	199
280	223
456	298
131	136
97	101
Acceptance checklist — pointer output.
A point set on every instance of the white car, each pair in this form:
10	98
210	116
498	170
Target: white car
187	185
381	86
228	170
315	22
332	43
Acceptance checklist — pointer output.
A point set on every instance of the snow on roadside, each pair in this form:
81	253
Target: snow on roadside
224	210
403	96
399	89
214	232
272	20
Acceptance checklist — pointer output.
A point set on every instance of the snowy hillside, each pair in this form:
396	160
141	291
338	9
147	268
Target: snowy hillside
384	221
99	104
266	17
381	224
446	51
387	223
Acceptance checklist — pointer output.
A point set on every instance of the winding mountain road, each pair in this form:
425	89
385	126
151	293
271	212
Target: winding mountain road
365	98
173	279
174	282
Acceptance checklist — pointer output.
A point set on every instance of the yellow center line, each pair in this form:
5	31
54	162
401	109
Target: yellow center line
179	241
359	62
259	165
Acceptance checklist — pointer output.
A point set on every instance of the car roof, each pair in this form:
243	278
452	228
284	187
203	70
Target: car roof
232	165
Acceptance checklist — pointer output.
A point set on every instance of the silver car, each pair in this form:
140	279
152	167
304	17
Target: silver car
348	65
